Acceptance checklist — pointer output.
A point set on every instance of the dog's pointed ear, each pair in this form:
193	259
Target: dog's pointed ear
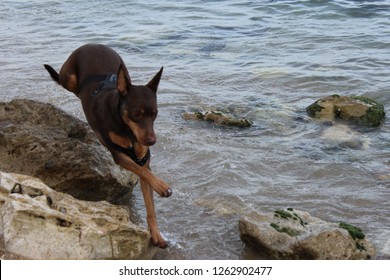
123	80
153	84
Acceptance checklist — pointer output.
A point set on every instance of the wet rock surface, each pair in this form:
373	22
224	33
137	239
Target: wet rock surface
43	141
357	110
218	117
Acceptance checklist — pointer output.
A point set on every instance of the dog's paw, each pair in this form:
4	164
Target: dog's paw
168	193
162	189
158	240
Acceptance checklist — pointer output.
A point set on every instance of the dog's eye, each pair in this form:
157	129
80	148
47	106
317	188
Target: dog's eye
137	115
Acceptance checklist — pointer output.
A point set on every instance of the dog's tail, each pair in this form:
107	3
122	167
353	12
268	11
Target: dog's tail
53	73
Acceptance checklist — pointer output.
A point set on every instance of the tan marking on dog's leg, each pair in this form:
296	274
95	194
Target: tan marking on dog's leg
156	236
143	172
140	150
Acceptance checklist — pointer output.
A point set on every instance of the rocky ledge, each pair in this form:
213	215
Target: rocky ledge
295	234
42	141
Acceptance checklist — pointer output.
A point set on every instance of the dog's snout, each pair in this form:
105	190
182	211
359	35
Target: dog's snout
150	140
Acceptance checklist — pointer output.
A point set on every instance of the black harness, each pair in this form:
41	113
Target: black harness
109	82
106	82
130	152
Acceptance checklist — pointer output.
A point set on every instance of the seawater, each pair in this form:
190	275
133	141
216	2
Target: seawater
262	60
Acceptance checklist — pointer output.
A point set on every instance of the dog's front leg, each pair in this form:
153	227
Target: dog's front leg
143	172
147	192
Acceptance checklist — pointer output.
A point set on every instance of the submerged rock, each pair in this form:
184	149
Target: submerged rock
223	205
294	234
43	141
40	223
358	110
343	136
386	250
217	117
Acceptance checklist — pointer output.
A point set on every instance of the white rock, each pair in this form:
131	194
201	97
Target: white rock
40	223
301	236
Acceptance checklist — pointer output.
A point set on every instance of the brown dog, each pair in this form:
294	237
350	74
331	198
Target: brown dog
121	114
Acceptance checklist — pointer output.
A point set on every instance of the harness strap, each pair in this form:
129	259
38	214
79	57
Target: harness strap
130	152
106	81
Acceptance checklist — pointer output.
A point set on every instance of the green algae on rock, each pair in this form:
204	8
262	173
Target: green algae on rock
289	214
283	214
217	117
290	231
354	232
358	110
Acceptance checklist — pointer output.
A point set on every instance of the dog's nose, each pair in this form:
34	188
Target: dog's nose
151	140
